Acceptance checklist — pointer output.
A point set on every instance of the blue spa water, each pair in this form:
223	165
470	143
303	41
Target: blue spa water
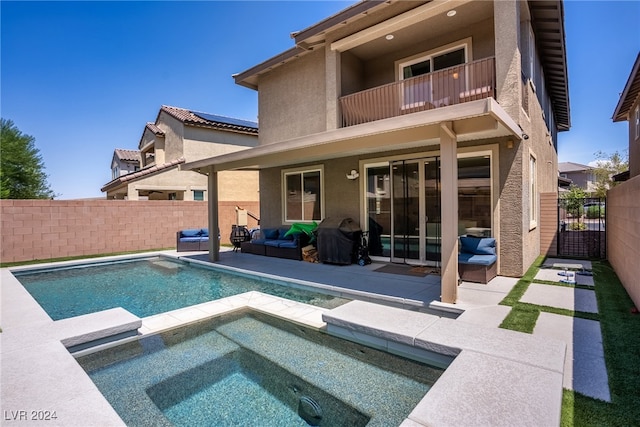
147	287
250	369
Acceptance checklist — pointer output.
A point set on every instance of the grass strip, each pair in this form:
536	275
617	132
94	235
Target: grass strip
620	336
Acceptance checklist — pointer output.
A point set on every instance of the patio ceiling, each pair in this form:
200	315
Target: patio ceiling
470	121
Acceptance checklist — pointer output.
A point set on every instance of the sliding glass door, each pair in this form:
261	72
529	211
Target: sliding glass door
415	231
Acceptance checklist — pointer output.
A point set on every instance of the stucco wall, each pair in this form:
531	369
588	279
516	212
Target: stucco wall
46	229
301	84
201	143
623	235
174	136
341	196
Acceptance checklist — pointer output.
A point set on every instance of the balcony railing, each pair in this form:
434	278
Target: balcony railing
455	85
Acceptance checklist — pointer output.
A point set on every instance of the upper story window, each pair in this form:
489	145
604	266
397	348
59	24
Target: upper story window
435	88
432	61
198	195
303	198
114	172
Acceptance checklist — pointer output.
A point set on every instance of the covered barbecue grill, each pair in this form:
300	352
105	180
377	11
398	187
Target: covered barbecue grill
338	240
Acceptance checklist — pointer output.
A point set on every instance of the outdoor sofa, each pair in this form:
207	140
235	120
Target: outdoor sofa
276	242
477	260
192	239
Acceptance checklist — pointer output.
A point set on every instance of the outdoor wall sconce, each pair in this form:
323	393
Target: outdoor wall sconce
353	174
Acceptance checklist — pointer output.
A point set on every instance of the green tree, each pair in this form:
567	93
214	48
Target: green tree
608	165
21	167
573	201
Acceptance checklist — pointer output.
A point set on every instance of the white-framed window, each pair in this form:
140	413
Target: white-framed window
418	91
532	55
303	194
636	120
533	191
115	172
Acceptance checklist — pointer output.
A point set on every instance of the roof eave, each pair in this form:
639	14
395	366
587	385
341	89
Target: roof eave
558	80
629	94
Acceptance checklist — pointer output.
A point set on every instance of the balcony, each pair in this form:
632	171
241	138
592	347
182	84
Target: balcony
450	86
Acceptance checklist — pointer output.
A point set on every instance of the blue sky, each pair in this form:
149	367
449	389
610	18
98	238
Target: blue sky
84	77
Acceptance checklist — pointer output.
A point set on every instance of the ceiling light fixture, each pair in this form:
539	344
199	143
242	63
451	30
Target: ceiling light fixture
451	13
389	36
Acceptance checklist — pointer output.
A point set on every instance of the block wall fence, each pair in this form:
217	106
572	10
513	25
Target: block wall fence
623	235
45	229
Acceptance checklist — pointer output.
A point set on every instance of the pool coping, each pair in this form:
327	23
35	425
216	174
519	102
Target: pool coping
35	361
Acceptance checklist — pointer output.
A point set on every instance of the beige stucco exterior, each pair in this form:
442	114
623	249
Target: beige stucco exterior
301	120
180	142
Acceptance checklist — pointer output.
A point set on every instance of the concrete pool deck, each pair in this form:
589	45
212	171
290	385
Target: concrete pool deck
39	374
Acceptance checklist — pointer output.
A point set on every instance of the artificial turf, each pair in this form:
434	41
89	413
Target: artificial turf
620	327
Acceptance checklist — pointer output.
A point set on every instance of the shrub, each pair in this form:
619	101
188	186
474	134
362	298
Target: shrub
594	211
577	226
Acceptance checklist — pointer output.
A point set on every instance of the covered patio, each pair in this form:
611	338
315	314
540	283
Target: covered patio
441	129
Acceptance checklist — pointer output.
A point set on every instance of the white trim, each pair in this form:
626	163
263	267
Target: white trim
283	188
533	191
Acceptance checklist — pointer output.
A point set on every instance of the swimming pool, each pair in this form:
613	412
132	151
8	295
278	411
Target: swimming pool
251	369
148	286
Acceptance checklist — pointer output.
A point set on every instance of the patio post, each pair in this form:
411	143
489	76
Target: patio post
449	195
214	228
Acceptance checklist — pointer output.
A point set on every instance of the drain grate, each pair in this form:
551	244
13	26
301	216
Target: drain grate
310	411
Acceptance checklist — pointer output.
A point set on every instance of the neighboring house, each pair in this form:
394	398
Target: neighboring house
124	162
178	136
623	203
628	109
581	176
447	111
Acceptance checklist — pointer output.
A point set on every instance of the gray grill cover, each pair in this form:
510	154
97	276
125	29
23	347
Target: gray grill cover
338	240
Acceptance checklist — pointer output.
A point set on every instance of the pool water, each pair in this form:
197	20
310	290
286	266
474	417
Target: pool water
147	287
250	369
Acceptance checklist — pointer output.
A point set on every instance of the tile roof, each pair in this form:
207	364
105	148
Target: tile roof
141	173
155	129
572	167
196	118
127	155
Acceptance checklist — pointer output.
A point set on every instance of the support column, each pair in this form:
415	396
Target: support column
333	82
449	183
214	228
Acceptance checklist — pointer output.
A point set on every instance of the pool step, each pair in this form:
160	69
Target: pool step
90	330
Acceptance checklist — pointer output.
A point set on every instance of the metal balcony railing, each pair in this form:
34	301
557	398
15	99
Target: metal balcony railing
450	86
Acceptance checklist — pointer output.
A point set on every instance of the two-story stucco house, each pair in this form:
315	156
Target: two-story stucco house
623	201
628	109
448	111
177	136
124	162
581	176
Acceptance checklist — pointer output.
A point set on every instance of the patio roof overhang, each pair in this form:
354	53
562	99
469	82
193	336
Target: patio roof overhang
474	120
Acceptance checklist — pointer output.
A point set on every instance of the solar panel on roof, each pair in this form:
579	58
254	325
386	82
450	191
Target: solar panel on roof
227	120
